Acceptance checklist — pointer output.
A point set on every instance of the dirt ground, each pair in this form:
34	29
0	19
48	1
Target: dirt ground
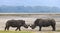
30	20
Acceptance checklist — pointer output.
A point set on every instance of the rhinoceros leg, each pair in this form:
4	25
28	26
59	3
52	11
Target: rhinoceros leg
18	28
53	26
40	28
7	27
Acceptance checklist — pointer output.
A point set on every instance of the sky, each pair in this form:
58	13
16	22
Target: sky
50	3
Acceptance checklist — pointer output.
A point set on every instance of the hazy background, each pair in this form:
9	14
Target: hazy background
29	6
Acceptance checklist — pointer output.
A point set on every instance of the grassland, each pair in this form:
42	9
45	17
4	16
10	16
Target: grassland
58	31
15	31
